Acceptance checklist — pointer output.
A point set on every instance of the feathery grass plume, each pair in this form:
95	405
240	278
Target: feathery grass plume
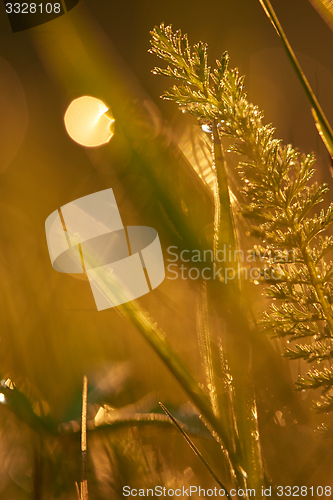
279	203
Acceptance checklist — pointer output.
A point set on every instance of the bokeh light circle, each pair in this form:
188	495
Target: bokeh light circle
86	122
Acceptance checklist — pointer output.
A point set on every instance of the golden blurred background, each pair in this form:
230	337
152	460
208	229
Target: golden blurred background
51	333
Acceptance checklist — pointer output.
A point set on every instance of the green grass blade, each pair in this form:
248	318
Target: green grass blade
206	350
224	230
173	361
238	357
321	122
131	311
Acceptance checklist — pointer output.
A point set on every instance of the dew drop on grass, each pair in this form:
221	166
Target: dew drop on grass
244	473
255	435
206	128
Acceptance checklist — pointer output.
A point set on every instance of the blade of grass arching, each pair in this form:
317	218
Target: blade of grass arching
136	420
208	343
131	311
142	420
321	122
108	417
224	232
214	367
236	334
203	332
195	450
224	238
325	9
173	361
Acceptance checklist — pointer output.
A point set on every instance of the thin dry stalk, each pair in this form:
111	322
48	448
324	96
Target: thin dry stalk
84	482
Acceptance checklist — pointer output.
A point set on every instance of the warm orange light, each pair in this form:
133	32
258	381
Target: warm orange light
87	123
